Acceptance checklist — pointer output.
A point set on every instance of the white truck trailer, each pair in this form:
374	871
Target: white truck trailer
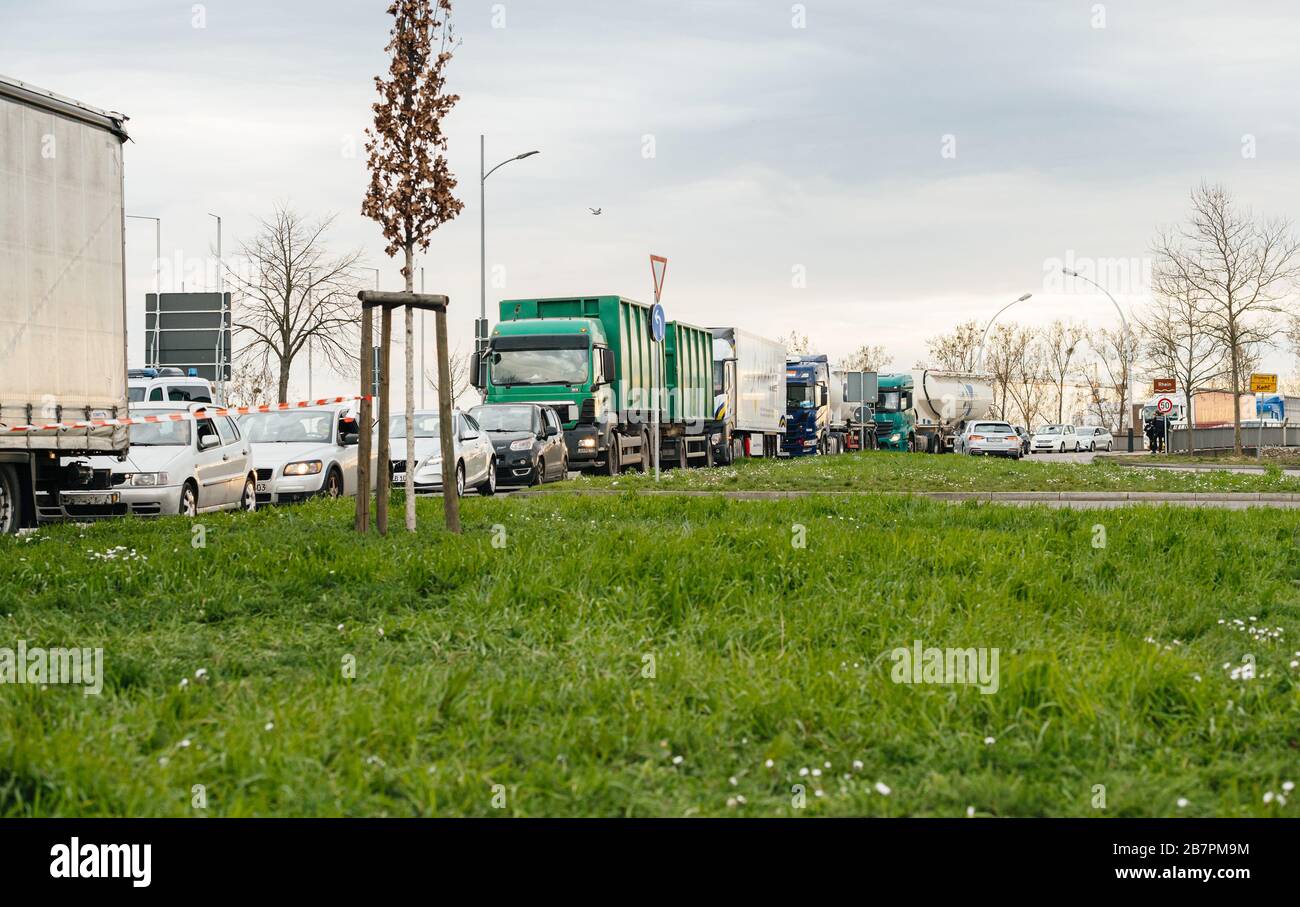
748	395
62	301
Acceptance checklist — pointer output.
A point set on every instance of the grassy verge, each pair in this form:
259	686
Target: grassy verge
658	656
895	472
1285	460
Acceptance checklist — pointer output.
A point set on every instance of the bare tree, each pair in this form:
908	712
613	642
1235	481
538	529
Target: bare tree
1117	352
956	351
293	292
410	192
866	359
1029	377
1177	342
796	344
1241	268
458	370
1001	358
251	383
1060	342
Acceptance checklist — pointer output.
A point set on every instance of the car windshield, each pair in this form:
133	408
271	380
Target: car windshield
1049	429
135	394
426	426
503	418
994	428
798	394
161	434
271	428
539	367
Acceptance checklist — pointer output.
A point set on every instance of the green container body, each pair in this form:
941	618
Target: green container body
686	355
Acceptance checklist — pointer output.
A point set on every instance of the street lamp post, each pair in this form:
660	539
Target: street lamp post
157	280
480	328
1123	337
979	360
221	304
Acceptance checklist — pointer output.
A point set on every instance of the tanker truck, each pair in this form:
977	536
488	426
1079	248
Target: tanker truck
926	409
62	305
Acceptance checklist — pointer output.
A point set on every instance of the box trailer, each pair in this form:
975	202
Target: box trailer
593	359
62	301
748	395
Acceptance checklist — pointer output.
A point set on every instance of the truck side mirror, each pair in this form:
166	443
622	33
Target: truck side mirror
476	371
607	365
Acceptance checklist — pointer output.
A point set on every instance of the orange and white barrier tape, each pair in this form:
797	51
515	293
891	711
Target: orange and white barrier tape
182	416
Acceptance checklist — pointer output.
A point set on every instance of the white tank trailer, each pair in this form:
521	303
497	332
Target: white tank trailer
943	402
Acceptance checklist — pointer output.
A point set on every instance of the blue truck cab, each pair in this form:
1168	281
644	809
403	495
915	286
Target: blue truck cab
808	411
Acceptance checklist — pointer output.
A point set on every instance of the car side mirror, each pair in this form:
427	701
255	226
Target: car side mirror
476	371
208	441
551	431
349	438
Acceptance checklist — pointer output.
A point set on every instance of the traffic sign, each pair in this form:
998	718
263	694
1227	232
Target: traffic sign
1164	405
1261	383
1165	385
657	323
658	265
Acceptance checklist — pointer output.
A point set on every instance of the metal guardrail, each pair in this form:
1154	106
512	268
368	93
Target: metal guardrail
1222	438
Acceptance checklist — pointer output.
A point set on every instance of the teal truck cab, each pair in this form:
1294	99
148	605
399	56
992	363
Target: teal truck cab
895	423
592	359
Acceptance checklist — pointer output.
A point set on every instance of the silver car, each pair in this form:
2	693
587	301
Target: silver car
990	439
190	465
303	453
476	464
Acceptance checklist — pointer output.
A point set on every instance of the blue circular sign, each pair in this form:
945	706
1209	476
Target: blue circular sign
657	323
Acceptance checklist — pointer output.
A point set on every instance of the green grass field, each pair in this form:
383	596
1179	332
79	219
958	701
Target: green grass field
894	472
511	680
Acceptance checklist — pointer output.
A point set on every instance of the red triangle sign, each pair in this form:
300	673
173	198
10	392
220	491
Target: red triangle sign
658	265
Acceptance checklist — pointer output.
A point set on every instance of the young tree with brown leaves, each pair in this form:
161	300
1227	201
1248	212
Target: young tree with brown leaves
410	192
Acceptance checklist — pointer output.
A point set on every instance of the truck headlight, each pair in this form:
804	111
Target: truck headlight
303	468
522	444
895	436
588	443
149	479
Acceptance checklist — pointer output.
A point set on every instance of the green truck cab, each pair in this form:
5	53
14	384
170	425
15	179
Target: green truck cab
895	422
592	359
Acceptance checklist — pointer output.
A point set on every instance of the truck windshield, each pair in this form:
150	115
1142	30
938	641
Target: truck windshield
539	367
269	428
161	434
889	402
798	394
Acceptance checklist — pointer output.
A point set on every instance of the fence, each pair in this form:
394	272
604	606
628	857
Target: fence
1222	438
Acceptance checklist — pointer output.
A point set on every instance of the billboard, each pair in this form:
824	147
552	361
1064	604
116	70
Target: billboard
189	330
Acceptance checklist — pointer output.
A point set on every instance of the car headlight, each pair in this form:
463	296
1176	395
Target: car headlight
303	468
148	479
587	442
522	444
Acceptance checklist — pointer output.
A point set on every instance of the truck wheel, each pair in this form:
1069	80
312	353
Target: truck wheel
646	453
708	452
612	456
9	510
682	461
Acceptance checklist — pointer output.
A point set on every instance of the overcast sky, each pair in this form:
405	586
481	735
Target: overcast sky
857	170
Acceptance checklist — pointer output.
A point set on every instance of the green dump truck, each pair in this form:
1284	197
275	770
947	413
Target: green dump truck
592	359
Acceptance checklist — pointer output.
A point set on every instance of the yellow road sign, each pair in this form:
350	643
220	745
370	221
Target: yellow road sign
1263	384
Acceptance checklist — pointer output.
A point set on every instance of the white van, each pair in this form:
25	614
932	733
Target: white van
168	385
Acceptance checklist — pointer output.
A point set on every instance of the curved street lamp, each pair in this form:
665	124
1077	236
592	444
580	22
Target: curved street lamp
1122	320
480	330
979	361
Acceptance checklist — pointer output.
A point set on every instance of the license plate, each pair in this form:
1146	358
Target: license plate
82	497
262	488
399	477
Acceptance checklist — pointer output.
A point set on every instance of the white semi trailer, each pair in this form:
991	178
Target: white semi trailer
62	301
748	395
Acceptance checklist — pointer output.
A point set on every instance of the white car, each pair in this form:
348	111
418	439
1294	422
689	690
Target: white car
189	466
989	438
1055	439
1091	437
303	453
476	464
169	384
